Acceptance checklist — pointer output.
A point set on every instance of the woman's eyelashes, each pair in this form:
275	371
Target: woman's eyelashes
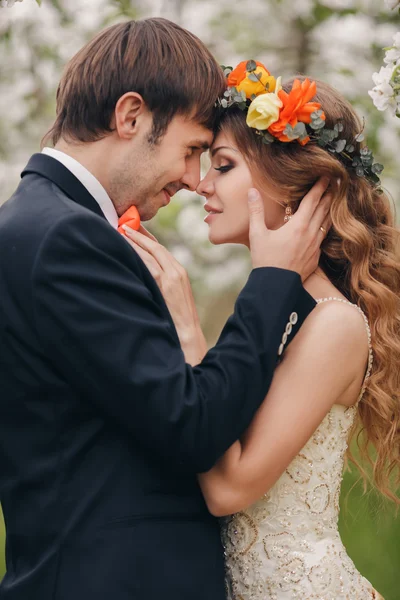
224	168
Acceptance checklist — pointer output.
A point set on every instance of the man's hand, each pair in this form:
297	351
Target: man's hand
296	245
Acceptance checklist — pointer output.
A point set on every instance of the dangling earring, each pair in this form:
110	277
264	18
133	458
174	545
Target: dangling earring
288	213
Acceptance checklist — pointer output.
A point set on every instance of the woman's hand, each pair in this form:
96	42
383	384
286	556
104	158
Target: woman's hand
175	287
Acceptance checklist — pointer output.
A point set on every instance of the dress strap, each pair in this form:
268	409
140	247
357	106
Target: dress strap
370	352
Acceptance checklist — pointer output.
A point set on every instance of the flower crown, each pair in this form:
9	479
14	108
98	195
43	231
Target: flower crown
276	115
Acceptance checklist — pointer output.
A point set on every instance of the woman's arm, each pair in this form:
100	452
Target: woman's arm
174	284
325	362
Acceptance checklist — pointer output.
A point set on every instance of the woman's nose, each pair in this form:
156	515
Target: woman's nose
205	187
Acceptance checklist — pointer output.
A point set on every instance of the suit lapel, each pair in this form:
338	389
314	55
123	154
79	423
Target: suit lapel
52	169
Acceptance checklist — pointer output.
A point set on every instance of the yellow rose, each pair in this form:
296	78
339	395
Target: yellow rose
264	110
257	87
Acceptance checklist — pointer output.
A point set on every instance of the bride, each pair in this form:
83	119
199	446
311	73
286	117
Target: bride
277	488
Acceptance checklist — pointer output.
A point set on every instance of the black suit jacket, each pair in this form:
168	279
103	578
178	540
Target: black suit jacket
103	426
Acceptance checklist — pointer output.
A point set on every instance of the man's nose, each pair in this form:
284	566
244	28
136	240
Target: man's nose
191	178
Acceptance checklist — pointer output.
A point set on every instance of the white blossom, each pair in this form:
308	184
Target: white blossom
392	4
396	40
382	94
8	3
392	56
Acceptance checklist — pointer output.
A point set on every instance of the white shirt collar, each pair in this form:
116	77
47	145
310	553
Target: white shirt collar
90	182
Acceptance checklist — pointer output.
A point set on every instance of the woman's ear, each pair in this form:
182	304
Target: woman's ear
129	108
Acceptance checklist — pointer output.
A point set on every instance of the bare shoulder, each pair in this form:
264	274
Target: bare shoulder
334	328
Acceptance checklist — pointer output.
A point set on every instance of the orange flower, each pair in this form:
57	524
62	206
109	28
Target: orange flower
240	72
296	108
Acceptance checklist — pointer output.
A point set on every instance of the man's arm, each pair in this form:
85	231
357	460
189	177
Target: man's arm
105	334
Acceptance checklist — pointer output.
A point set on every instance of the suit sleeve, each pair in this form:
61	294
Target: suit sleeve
107	336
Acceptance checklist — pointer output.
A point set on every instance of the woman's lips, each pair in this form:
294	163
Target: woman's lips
211	216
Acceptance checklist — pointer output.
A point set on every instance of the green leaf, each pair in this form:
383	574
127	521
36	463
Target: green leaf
377	168
317	124
251	65
360	172
39	2
340	146
267	138
360	137
316	114
224	103
253	77
350	148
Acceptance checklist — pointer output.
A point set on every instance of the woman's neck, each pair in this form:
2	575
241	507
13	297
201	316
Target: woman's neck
318	285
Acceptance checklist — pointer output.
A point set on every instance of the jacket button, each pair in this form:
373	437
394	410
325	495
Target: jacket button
284	338
280	349
294	317
289	328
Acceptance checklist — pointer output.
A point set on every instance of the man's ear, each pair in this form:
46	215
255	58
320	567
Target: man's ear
129	108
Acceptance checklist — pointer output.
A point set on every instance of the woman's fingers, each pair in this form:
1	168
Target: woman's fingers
153	266
147	233
167	262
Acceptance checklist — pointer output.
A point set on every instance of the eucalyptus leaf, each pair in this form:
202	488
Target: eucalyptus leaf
377	168
224	103
267	138
317	124
340	146
350	148
360	137
253	77
316	114
251	65
360	172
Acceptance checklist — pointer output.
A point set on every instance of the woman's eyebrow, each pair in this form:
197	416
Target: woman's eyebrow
215	150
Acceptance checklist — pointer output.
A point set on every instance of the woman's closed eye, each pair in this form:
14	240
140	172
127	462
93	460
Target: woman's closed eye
224	168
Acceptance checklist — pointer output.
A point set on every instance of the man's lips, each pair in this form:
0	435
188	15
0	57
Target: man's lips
167	196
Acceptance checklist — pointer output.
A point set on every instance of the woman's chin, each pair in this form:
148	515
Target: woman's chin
218	238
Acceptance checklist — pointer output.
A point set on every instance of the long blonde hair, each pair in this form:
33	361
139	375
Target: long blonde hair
361	257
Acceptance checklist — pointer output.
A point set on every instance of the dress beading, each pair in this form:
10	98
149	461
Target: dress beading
287	545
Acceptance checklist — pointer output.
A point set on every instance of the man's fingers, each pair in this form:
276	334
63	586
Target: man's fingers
324	230
311	201
256	212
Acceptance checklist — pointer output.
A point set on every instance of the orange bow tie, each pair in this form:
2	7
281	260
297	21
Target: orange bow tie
131	218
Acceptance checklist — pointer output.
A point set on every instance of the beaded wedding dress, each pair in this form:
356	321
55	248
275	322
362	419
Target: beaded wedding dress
287	545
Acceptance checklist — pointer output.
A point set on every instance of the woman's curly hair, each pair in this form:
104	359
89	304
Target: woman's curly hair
361	257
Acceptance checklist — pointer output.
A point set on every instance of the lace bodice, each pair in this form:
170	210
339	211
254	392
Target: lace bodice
287	545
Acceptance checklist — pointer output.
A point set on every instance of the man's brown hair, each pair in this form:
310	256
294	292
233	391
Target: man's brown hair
167	65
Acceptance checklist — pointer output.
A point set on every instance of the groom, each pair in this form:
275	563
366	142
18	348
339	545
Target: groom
103	426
